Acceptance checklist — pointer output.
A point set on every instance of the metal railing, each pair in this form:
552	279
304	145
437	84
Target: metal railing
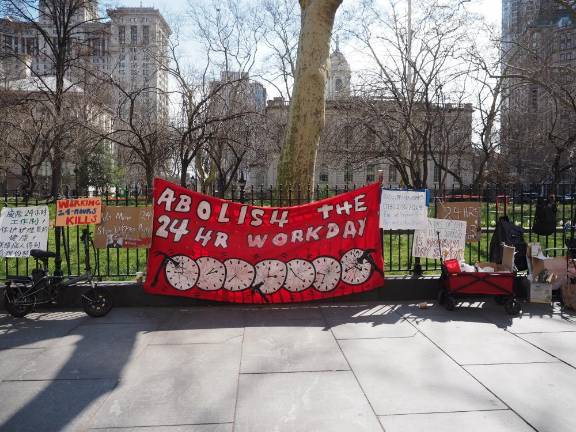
517	202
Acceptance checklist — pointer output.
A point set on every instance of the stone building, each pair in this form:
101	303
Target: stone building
128	47
350	152
539	43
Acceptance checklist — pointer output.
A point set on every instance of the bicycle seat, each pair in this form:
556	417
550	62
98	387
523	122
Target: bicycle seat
41	254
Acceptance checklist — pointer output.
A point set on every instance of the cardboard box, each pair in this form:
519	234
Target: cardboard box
540	293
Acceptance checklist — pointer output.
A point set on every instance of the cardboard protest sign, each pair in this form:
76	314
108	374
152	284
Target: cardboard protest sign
465	211
403	210
124	227
79	211
23	229
452	240
209	248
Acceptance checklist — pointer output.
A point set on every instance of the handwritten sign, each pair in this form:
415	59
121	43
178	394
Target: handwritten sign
23	229
124	227
80	211
452	240
464	211
403	210
213	249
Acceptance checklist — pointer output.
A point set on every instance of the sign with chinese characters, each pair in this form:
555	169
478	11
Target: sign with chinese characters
23	229
452	241
79	211
124	227
465	211
403	210
209	248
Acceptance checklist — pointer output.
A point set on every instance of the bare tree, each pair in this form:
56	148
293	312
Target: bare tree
60	36
415	87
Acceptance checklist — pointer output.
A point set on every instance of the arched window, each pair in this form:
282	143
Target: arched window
348	173
339	84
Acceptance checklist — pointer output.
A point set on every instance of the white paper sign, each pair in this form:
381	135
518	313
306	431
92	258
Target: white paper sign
403	210
23	229
452	240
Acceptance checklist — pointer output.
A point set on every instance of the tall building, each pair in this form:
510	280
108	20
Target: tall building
128	47
539	41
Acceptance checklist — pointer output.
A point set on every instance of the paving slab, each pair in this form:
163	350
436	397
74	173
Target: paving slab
179	428
561	345
536	318
290	349
175	385
365	322
472	421
87	352
134	316
50	406
465	312
202	325
38	330
12	361
277	315
541	393
303	402
480	343
411	375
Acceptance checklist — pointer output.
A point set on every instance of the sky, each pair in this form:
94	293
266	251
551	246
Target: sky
175	10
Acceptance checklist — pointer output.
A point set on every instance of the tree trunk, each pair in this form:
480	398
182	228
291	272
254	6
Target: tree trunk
306	117
184	173
56	165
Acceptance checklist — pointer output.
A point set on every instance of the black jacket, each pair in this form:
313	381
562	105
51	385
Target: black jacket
545	218
512	235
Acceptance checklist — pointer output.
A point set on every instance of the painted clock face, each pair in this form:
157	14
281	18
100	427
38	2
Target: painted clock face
271	274
300	275
239	274
354	272
182	272
328	272
212	274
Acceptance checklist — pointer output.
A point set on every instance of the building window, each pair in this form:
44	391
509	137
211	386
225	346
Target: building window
146	35
534	98
392	175
323	177
437	174
121	35
348	173
133	35
339	84
370	173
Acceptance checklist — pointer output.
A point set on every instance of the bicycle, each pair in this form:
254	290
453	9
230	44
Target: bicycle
23	294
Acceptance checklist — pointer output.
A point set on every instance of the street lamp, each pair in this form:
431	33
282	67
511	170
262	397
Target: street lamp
242	183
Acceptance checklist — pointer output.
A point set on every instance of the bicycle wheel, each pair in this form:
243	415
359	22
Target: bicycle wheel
13	308
97	302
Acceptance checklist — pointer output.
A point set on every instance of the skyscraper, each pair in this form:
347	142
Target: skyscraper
538	50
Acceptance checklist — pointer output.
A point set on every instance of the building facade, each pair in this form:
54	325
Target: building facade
113	57
352	149
538	123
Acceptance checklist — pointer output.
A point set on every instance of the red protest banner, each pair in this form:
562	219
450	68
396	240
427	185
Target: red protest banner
205	247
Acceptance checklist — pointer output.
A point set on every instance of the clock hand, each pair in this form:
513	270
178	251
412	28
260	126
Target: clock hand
298	277
233	277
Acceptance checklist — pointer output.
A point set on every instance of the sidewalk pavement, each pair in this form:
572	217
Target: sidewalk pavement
309	368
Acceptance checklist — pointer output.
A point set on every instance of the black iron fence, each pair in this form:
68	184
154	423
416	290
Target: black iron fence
517	202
